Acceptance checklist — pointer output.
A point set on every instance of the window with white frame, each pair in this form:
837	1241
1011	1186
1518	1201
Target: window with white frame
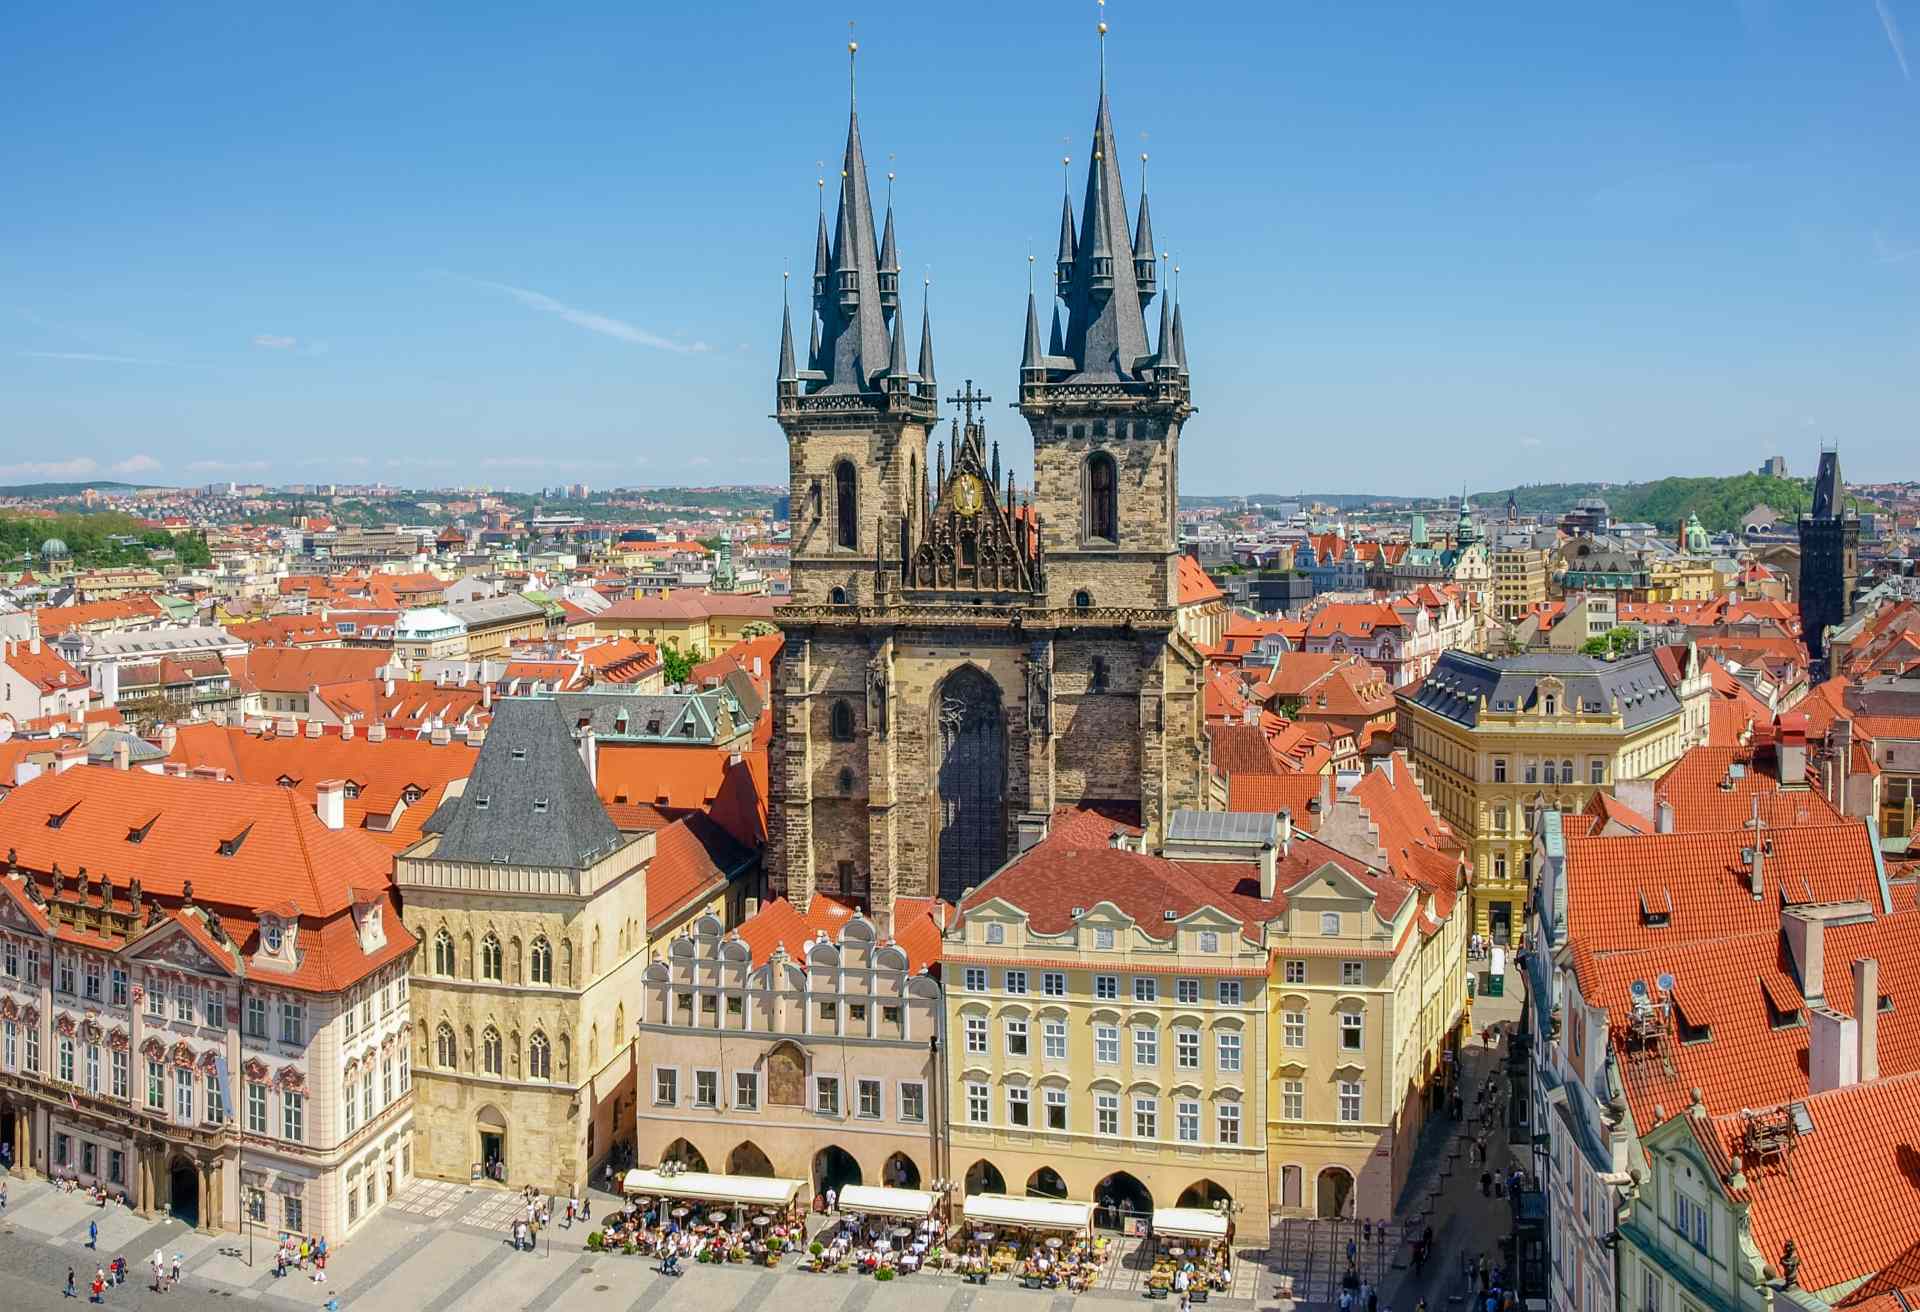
256	1108
1186	1049
32	1047
183	1004
976	981
10	959
746	1090
1186	1121
1053	1035
1146	1117
1016	981
1353	972
1690	1218
1293	1029
93	980
1016	1037
1017	1106
666	1086
1330	924
1227	1122
1229	992
255	1023
93	1069
1352	1031
1296	971
1106	1045
157	998
867	1099
1106	988
183	1094
1227	1045
913	1102
1597	770
1146	988
122	1076
977	1103
1209	940
156	1085
1146	1046
293	1116
826	1094
1056	1108
1053	983
706	1088
62	972
293	1021
996	932
1187	991
1106	1115
63	1058
1350	1092
1293	1100
976	1032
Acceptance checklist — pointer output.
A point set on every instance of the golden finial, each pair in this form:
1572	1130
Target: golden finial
853	52
1029	272
1103	46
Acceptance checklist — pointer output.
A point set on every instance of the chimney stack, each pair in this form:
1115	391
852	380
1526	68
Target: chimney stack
1866	1016
377	732
1756	867
123	755
1791	751
1270	868
1833	1053
330	802
346	731
1663	816
1807	939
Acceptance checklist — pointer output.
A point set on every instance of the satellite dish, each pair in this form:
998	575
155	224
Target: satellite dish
1639	990
1665	982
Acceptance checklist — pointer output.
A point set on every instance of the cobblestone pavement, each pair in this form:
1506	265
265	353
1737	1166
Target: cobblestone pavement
439	1247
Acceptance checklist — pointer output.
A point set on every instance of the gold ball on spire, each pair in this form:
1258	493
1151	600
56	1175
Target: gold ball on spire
853	47
1103	28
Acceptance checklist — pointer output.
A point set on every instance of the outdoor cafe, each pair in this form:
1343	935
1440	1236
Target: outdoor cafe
880	1231
1191	1254
703	1217
1046	1243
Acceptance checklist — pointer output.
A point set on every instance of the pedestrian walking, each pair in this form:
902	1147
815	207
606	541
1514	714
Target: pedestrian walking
3	1195
833	1196
586	1208
173	1276
70	1293
1373	1299
93	1234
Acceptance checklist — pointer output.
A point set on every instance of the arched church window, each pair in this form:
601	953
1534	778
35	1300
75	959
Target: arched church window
1102	498
840	721
1098	681
838	596
846	506
1083	600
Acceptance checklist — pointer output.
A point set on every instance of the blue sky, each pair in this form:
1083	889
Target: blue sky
517	244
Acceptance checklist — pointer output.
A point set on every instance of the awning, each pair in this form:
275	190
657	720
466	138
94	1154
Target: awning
1032	1213
749	1190
874	1200
1189	1223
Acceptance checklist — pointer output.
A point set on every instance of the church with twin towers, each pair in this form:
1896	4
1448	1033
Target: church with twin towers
964	656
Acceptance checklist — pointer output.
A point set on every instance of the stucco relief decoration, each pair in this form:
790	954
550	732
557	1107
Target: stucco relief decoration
65	1024
31	1015
352	1068
209	1062
90	1030
117	1039
183	1055
139	995
153	1050
291	1077
255	1070
9	1009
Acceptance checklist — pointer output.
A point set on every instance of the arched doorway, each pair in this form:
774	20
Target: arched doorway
971	780
899	1172
491	1126
1046	1183
183	1193
684	1155
1204	1194
1119	1198
747	1159
1335	1194
835	1169
983	1177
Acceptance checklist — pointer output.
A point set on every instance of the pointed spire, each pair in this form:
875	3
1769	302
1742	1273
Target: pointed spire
1056	344
813	345
926	335
889	262
822	259
1143	259
1179	341
1165	359
1030	356
1069	248
788	373
897	354
853	325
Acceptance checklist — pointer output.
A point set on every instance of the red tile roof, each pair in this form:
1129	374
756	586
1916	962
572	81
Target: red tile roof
1196	587
45	669
297	669
917	926
693	859
1715	788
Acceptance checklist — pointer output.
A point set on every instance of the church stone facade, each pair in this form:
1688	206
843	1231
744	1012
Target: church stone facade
964	656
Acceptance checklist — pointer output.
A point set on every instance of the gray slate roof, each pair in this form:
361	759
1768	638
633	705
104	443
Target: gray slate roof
496	610
680	717
529	801
1459	680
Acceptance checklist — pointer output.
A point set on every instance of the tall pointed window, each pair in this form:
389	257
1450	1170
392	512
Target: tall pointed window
846	506
1102	498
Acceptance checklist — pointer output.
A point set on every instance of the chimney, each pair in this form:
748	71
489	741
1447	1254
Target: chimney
441	736
1840	748
750	908
389	685
1286	832
1269	868
313	728
1663	816
1756	867
1833	1052
68	757
33	644
1866	1016
1791	753
169	736
123	755
486	696
590	754
377	732
346	731
330	802
1807	940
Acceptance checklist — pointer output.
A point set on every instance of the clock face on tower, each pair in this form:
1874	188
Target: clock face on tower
968	494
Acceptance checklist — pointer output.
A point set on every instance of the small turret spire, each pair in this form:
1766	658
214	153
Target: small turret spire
788	373
897	352
889	261
1179	340
926	333
1056	343
1063	262
1143	242
1164	360
1030	356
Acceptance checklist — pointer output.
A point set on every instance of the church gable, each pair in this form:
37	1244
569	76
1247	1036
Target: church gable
975	539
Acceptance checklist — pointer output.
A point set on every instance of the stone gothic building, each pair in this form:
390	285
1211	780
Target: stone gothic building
964	657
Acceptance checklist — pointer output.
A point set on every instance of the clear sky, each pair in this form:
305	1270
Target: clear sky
1421	244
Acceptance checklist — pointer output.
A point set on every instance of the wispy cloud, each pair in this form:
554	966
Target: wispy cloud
419	462
94	357
604	324
228	466
62	470
136	464
275	342
1894	38
1529	442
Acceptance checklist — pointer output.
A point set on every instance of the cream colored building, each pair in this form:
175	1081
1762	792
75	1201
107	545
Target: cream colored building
1519	578
531	912
799	1046
1496	742
1106	1019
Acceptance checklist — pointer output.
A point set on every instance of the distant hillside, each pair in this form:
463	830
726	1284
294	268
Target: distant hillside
69	489
1721	503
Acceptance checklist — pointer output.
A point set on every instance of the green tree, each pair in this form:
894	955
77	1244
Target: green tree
1611	643
678	664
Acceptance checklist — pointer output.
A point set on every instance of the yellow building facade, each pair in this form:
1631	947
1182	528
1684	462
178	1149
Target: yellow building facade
1495	742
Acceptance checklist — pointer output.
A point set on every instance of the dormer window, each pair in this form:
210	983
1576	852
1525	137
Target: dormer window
273	935
351	789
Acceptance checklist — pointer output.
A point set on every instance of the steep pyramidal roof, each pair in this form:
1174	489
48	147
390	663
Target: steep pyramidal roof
854	344
1106	328
926	341
1829	491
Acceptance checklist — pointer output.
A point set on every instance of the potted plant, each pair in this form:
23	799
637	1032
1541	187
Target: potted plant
884	1273
596	1241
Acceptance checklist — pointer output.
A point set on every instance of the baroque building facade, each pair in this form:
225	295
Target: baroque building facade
962	658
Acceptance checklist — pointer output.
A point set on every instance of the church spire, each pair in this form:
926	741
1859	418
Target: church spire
1143	259
889	262
788	372
926	335
1030	356
854	337
1055	344
1063	262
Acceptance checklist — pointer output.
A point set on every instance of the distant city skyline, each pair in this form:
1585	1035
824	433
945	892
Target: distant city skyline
1417	247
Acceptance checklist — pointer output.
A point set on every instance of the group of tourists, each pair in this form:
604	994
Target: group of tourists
677	1230
874	1244
1038	1258
1184	1269
300	1253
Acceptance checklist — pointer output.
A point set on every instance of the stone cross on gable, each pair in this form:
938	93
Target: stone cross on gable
969	400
